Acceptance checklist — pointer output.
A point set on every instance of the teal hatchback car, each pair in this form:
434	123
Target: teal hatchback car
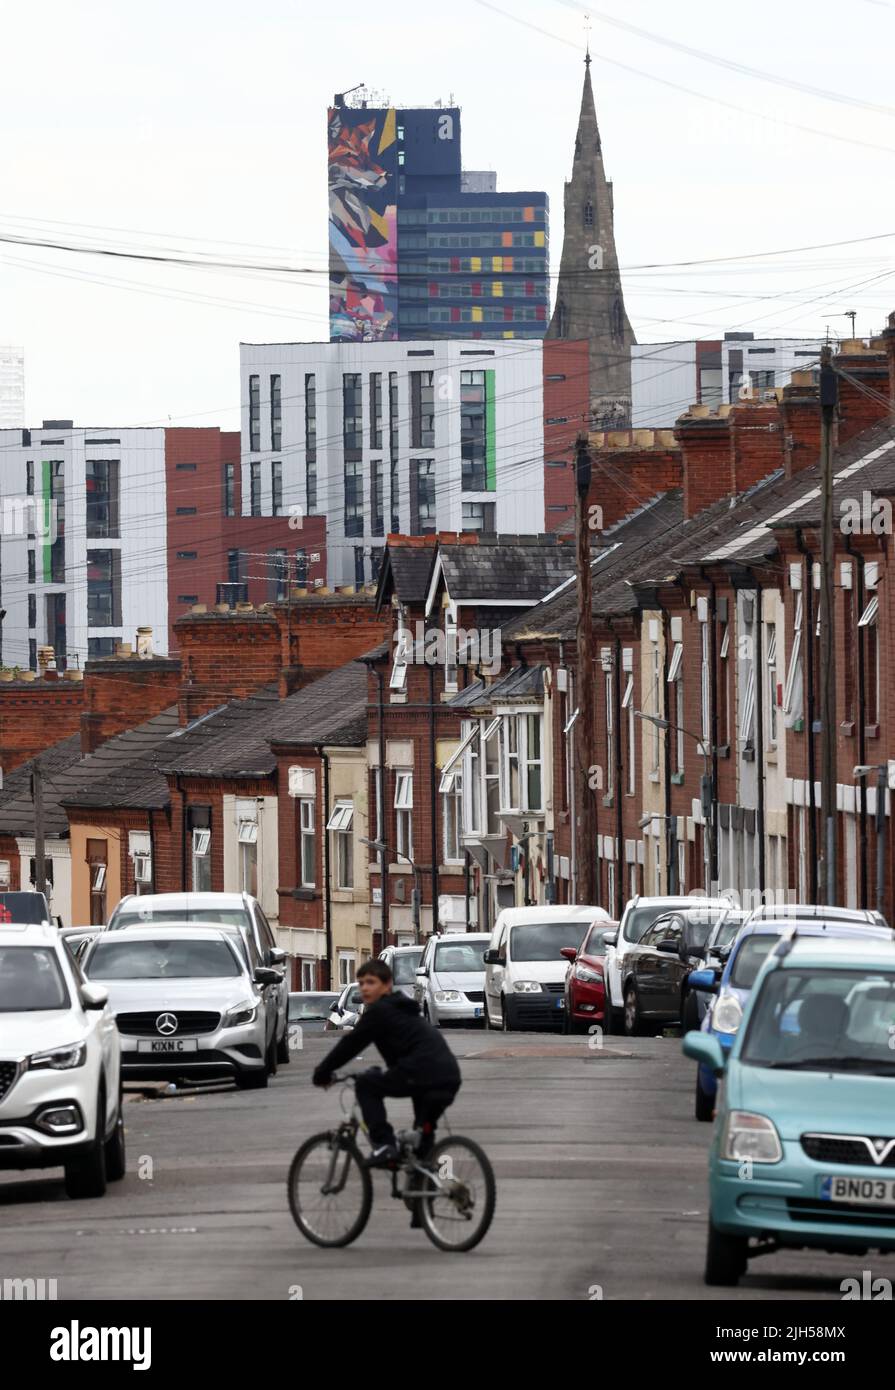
803	1151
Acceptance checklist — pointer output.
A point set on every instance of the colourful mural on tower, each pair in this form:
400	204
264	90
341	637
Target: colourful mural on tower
363	225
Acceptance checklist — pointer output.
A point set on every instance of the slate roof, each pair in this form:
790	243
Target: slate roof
407	569
235	741
499	568
119	774
519	683
654	544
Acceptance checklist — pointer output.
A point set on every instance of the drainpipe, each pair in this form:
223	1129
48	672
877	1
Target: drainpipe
711	830
759	739
182	795
861	713
327	874
383	853
151	854
671	884
433	799
809	640
617	777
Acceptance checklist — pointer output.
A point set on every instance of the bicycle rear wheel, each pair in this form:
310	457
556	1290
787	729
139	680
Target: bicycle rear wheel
330	1190
457	1214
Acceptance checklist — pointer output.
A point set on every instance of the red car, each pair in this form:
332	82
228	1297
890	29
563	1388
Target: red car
584	989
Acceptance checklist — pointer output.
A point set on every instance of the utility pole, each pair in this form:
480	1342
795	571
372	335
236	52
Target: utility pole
828	398
37	797
585	760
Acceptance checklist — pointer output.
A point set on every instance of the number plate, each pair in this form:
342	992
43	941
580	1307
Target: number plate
561	1003
168	1045
861	1192
476	1013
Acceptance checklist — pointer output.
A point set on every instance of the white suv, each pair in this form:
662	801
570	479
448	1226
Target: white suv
60	1065
637	918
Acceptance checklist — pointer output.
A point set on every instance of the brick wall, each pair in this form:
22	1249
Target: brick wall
628	468
567	404
120	693
35	714
863	386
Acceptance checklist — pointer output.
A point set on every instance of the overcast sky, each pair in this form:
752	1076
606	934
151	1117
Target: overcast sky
150	126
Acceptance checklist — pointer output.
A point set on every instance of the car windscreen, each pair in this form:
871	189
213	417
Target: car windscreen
22	907
404	966
461	957
751	956
170	958
641	919
207	916
594	944
30	979
311	1005
808	1019
727	931
544	940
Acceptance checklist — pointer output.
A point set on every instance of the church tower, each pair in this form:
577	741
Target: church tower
589	300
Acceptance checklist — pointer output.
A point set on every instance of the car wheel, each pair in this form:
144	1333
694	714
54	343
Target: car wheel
86	1176
271	1058
705	1104
689	1012
252	1080
633	1020
726	1259
283	1053
506	1022
116	1164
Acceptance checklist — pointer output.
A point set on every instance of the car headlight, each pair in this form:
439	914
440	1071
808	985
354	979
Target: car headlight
584	972
727	1014
527	986
59	1058
245	1012
751	1136
448	996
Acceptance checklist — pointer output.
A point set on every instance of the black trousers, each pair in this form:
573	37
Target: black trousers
372	1087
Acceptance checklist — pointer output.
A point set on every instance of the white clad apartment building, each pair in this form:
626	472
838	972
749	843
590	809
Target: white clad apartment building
83	559
410	437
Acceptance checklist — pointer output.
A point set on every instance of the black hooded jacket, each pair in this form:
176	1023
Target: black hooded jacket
405	1041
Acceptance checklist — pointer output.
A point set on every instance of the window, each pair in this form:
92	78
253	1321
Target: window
254	414
340	824
404	814
656	694
352	412
473	448
359	567
511	799
377	515
307	843
450	648
393	450
32	568
630	737
103	588
376	410
310	443
309	974
771	676
676	713
229	489
276	488
422	410
848	653
705	689
32	610
97	858
301	569
277	576
32	653
588	214
198	827
479	516
724	687
276	414
255	489
422	497
452	820
532	755
347	967
101	486
99	647
868	621
398	678
354	498
610	734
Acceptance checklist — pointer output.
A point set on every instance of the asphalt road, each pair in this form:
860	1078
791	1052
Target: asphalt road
601	1193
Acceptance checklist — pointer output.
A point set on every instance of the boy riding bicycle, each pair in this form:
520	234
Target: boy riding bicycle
419	1063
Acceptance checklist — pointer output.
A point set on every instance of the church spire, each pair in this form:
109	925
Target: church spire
589	299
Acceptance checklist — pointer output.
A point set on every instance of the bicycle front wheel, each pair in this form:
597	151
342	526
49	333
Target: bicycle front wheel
330	1190
459	1204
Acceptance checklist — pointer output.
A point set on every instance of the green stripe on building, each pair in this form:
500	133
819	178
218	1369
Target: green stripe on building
46	487
490	434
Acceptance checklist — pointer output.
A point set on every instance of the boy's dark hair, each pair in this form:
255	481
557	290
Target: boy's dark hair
377	968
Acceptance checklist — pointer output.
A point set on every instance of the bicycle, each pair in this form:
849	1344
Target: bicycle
331	1189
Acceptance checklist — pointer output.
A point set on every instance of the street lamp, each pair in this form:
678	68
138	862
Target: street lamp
882	773
708	805
416	895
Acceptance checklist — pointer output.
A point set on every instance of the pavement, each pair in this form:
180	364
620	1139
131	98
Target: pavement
601	1192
